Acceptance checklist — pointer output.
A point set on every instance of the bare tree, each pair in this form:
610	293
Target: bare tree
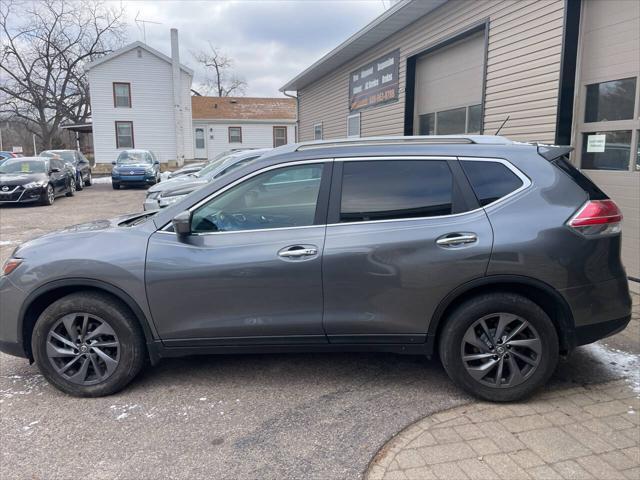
44	48
219	78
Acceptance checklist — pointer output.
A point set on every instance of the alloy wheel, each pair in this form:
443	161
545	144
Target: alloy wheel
51	195
501	350
83	348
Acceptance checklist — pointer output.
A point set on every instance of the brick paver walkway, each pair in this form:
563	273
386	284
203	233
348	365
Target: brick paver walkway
584	432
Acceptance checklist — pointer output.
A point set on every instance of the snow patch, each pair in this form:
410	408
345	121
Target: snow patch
101	180
625	363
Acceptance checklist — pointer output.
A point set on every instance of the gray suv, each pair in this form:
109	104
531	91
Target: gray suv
496	256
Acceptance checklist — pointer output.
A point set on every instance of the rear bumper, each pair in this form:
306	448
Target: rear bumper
597	331
599	309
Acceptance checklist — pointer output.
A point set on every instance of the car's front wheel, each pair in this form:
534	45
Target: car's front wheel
79	182
500	347
48	196
89	179
72	188
88	345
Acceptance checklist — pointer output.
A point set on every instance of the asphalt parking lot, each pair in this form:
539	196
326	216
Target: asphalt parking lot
256	416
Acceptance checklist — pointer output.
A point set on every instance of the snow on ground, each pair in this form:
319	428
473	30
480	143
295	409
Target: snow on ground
101	180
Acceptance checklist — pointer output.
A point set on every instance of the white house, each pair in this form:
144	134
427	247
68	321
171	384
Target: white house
225	123
141	98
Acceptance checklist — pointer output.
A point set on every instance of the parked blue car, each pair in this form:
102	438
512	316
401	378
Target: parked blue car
135	167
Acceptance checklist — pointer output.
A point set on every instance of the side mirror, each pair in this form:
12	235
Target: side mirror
55	170
182	223
113	163
156	162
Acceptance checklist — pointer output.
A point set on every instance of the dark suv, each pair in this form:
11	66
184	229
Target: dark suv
495	256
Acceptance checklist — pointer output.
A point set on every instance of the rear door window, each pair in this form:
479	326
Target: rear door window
490	180
395	189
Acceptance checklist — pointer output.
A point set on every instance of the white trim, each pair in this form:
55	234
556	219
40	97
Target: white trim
128	48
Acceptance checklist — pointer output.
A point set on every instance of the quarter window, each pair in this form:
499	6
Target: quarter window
609	101
279	136
490	180
235	134
284	197
383	190
122	95
124	135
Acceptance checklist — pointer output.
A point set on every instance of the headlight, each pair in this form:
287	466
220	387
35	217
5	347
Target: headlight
166	201
39	184
153	195
149	171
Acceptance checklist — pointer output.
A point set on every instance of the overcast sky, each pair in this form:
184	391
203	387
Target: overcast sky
271	41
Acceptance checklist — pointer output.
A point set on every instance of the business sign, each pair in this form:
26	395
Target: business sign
16	149
596	143
375	83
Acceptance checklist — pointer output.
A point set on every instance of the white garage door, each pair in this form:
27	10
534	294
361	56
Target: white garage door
448	88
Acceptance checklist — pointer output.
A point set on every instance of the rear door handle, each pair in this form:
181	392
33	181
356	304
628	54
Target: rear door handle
454	239
297	251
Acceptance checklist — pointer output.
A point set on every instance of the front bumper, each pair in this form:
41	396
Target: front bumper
134	180
21	195
11	300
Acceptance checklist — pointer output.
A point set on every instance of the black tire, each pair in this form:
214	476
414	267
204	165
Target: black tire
79	183
132	352
72	188
89	179
466	315
48	196
115	186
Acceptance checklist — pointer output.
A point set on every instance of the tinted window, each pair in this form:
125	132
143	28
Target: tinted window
609	101
490	180
380	190
453	121
284	197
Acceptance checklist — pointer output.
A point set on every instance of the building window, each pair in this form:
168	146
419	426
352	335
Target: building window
279	136
235	134
395	189
124	135
451	122
200	138
121	95
317	131
606	150
609	101
353	125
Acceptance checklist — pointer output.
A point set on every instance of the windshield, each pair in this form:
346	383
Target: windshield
211	167
128	158
23	166
67	155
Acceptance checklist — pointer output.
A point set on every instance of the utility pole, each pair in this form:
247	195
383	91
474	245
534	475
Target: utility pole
35	152
1	146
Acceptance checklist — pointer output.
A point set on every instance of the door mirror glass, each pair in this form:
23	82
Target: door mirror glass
182	223
113	163
279	198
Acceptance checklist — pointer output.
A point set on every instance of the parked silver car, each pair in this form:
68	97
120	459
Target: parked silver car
495	256
172	191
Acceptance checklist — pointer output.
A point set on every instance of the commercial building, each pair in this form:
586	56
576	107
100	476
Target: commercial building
552	71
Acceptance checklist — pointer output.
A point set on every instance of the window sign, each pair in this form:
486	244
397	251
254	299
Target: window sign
375	83
596	143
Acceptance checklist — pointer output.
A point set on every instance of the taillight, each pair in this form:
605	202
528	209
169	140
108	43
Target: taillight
597	217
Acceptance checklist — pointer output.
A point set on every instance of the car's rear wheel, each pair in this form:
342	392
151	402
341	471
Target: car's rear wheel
48	196
500	347
72	188
88	345
89	179
80	182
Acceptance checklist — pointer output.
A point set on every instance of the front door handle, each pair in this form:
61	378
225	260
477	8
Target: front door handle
454	239
297	251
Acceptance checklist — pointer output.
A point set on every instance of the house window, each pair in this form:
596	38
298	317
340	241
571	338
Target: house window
317	131
609	101
122	95
353	125
124	135
279	136
235	134
451	122
606	150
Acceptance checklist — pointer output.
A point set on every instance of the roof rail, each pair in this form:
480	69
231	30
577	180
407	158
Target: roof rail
411	140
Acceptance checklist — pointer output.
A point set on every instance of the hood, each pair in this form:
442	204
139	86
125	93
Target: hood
21	178
173	183
183	189
132	165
